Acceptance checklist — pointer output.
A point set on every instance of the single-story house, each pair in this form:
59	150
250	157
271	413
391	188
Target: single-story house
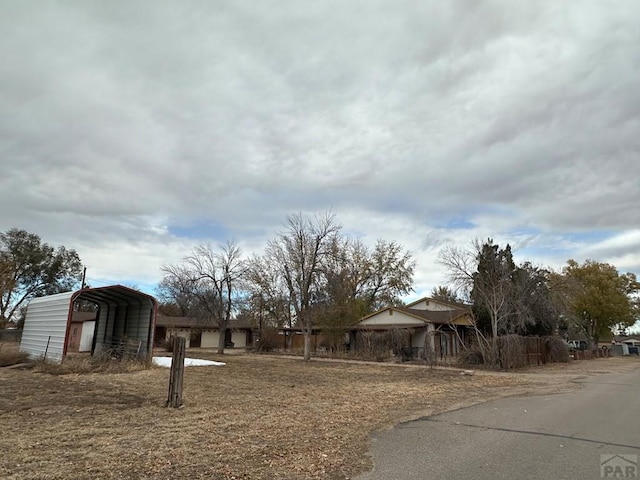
123	324
625	344
199	333
630	340
445	326
442	327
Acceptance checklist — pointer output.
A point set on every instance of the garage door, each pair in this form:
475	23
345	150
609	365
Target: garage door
209	339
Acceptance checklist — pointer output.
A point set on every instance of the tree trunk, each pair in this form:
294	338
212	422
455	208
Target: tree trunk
495	355
307	344
222	335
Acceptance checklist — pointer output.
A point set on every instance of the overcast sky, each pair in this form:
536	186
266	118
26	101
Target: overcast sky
131	131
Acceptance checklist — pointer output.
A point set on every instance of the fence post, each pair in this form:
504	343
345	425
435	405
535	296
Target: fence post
46	350
174	399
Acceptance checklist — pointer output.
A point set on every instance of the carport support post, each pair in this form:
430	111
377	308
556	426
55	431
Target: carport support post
176	374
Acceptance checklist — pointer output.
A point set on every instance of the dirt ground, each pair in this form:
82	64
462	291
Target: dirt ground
258	417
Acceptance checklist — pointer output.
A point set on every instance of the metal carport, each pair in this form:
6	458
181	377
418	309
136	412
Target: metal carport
125	316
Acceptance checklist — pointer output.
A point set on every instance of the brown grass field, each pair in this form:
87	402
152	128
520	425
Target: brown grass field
258	417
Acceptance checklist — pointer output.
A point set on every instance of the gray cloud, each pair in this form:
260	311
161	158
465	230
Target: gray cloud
120	120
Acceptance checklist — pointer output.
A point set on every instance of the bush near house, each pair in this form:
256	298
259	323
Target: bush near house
516	351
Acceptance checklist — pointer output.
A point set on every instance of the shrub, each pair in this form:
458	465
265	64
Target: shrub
515	351
556	350
268	340
10	355
471	356
380	346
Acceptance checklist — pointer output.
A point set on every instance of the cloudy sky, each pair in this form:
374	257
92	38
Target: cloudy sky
131	131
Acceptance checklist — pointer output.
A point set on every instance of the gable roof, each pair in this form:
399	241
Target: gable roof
626	338
434	316
439	317
195	322
451	305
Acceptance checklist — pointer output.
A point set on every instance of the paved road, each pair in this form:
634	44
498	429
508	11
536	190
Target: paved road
543	437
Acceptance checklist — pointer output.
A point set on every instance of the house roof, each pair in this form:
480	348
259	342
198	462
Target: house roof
434	316
177	322
196	322
440	317
626	338
454	306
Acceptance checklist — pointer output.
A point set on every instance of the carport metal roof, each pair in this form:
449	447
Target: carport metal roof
112	295
124	313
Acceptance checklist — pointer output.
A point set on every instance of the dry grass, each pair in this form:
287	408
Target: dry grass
258	417
10	355
83	364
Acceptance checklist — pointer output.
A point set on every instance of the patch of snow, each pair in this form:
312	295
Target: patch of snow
188	362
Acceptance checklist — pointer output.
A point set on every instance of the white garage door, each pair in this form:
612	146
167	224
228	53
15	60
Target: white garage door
209	339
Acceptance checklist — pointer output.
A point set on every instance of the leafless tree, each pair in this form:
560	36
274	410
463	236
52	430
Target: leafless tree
213	277
268	303
491	291
299	253
516	299
175	291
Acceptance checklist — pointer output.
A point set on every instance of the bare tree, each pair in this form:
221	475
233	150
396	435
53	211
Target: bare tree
175	291
481	274
213	277
268	303
299	253
509	298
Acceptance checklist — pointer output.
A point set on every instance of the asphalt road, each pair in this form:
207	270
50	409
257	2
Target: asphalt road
535	437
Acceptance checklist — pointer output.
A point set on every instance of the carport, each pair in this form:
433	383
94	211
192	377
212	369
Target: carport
124	324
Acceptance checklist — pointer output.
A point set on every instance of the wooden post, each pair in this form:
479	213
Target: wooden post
174	399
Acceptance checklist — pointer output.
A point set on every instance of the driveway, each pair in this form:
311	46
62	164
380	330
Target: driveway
590	431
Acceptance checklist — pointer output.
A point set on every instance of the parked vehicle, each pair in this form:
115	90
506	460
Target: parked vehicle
577	344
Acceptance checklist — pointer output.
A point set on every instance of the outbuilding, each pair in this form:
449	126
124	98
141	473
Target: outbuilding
124	323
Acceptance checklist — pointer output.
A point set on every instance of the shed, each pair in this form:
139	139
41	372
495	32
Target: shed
125	320
81	331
